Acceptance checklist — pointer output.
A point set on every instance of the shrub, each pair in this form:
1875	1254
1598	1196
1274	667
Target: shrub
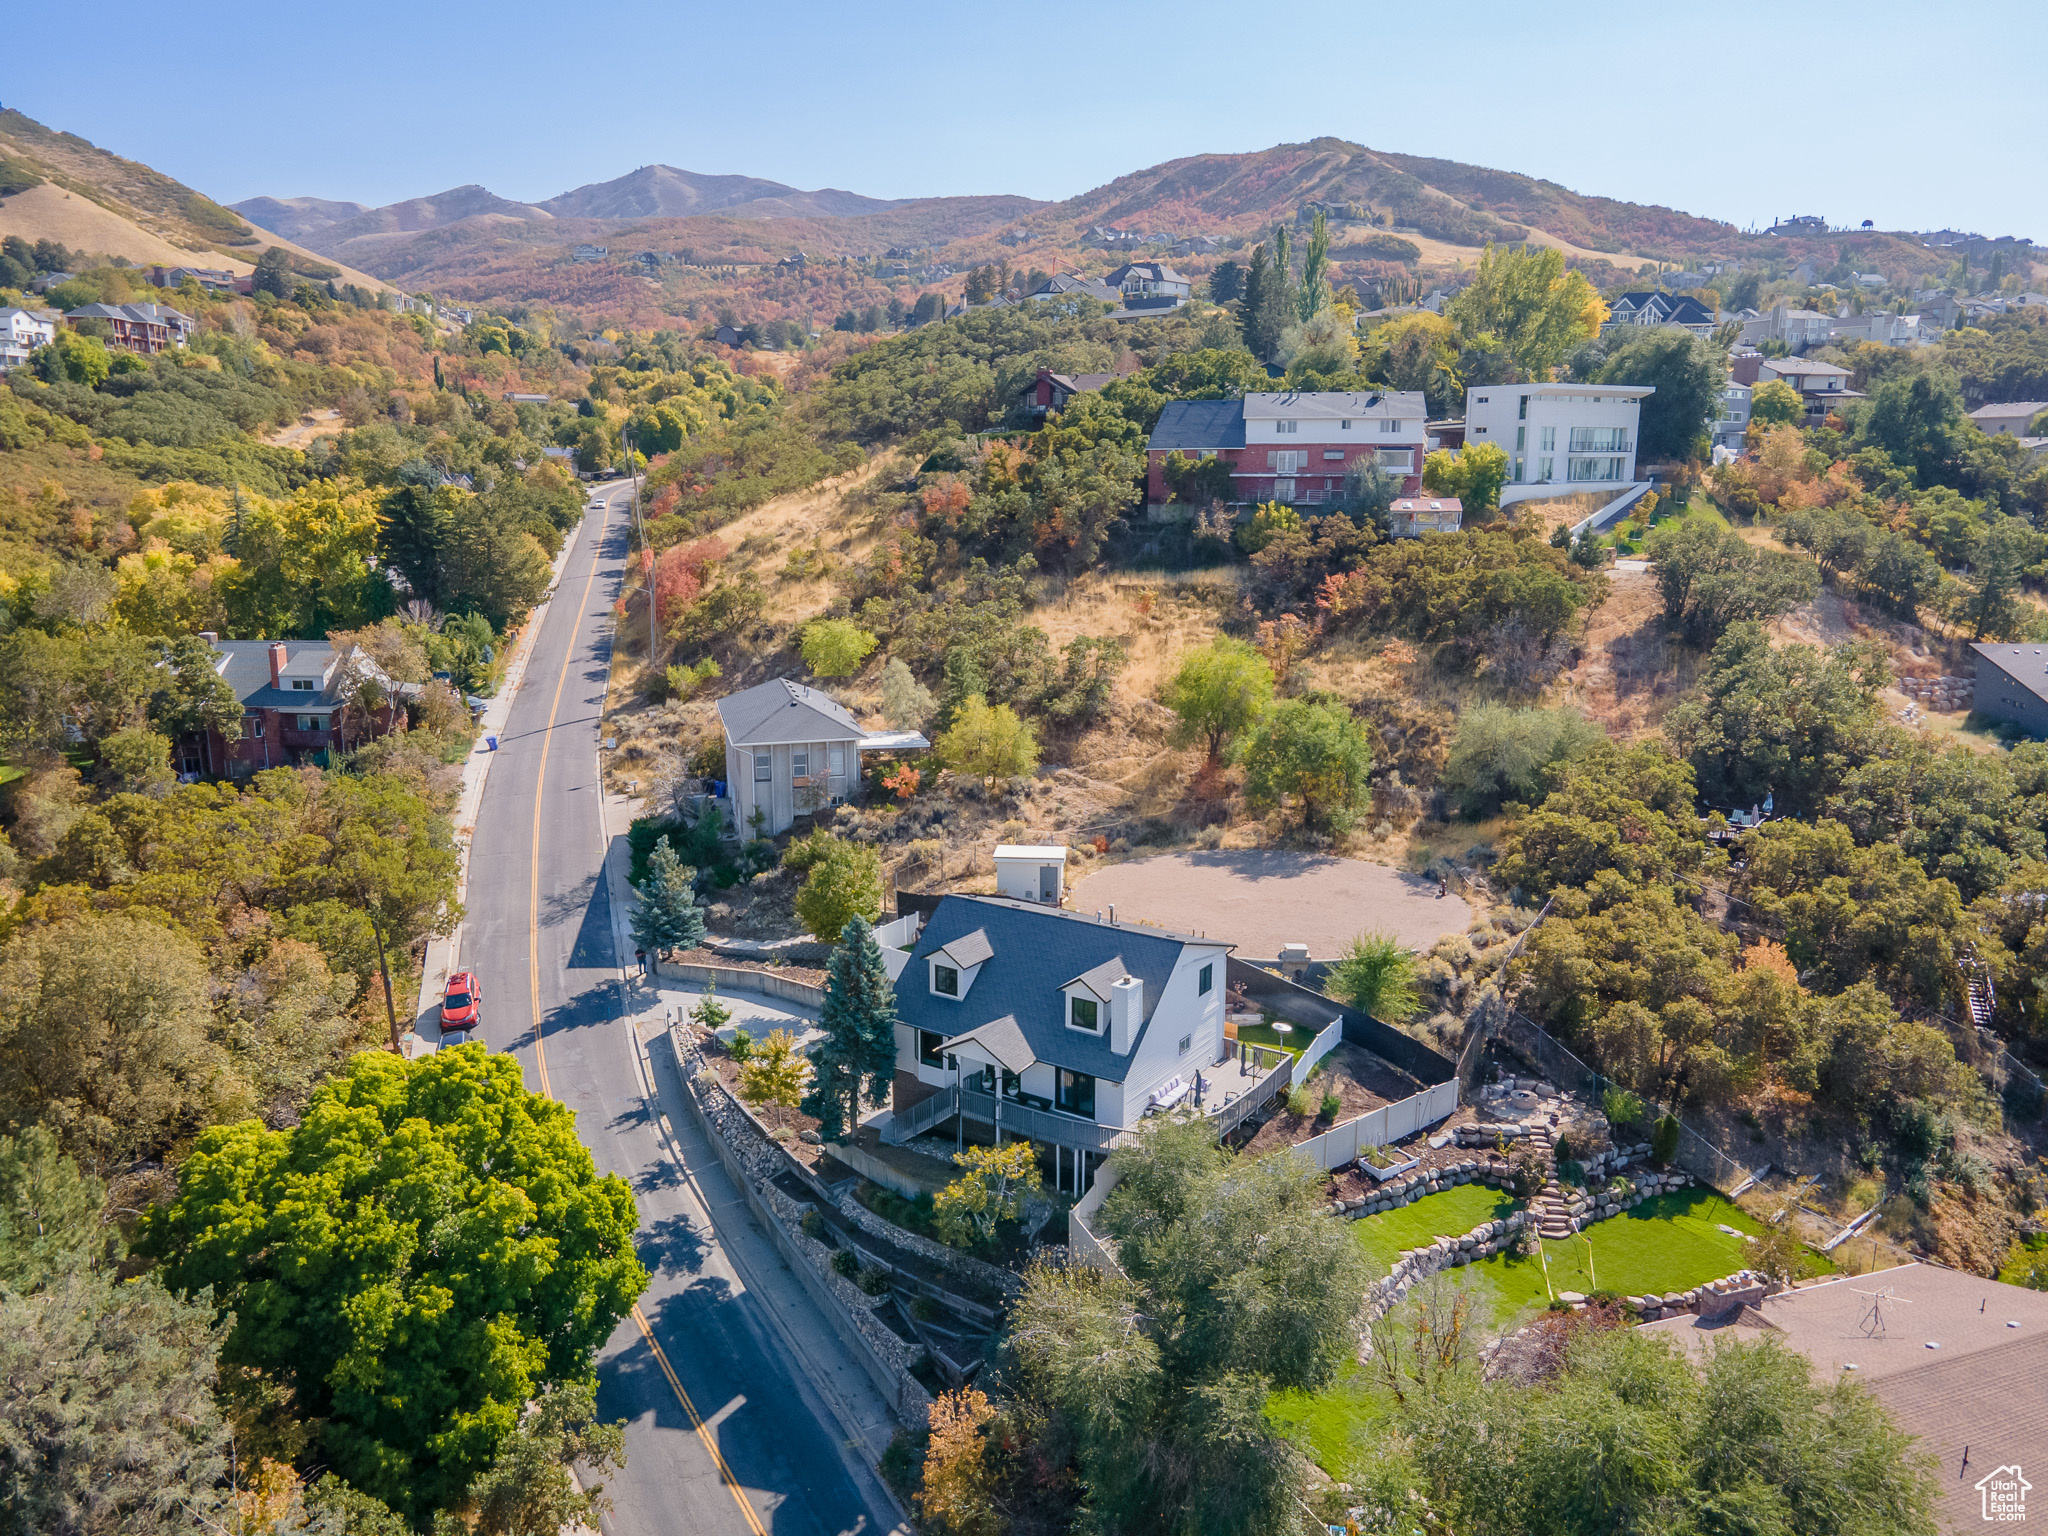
1664	1141
776	1073
989	742
1622	1108
835	647
844	1263
1377	976
1562	1150
994	1187
742	1046
1332	1104
1299	1101
874	1282
844	882
813	1225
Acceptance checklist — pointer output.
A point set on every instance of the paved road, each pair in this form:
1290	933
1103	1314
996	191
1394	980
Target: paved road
725	1434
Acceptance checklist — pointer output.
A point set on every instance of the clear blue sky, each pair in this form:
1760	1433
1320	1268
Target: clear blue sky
1911	116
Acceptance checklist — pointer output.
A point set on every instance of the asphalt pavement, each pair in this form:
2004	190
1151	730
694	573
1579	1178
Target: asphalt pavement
727	1433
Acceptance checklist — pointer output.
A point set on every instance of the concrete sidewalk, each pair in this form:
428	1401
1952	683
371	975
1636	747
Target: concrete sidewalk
865	1423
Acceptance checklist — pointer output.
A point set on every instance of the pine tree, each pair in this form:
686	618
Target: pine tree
667	917
857	1058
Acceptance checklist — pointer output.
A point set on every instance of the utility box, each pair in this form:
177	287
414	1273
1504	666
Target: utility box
1032	872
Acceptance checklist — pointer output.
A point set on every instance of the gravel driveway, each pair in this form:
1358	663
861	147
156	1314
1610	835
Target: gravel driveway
1262	898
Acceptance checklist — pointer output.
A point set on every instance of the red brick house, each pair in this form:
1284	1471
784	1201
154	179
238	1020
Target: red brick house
1051	391
1293	448
293	705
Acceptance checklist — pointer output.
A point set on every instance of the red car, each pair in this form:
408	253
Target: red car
459	1009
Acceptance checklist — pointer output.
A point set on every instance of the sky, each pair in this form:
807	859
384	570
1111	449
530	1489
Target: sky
1913	117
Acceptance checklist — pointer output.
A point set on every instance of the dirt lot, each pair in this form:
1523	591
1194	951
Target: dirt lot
1263	898
1628	673
1361	1080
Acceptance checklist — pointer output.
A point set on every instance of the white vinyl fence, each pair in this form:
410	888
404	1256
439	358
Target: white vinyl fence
1342	1143
1318	1048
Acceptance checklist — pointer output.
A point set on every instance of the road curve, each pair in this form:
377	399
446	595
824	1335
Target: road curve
724	1435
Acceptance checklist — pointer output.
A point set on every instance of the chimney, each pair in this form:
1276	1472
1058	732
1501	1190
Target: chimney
210	636
277	654
1126	1013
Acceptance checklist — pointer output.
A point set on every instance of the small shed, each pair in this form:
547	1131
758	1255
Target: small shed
1032	872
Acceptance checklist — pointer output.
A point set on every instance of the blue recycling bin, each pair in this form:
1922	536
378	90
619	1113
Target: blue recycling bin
490	743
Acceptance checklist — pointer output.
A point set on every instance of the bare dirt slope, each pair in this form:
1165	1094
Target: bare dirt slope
48	212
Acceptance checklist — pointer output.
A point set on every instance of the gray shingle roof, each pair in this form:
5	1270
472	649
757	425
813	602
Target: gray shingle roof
1002	1039
781	712
969	949
1335	404
246	666
1193	424
1099	979
1035	950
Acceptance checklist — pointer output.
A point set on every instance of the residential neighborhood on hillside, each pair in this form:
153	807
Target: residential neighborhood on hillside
1304	841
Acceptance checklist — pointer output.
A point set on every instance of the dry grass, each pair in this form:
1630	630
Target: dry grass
1543	516
1157	617
1629	673
819	519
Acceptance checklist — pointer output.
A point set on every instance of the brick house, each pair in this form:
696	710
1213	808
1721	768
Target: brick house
144	328
1293	448
1051	391
293	700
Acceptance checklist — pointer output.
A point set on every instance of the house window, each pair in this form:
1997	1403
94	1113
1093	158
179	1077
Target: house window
945	980
1521	438
1205	979
1547	439
1283	490
1390	428
1343	426
838	762
1291	462
1401	460
312	723
1075	1093
252	726
1288	426
1085	1013
1186	1042
931	1048
1333	453
1522	408
1546	469
800	764
1479	399
302	685
764	768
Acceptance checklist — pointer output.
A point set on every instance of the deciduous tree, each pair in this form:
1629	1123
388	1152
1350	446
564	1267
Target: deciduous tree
1218	691
1311	753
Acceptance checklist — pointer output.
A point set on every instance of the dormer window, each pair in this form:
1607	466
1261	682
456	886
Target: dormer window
945	980
302	685
1084	1013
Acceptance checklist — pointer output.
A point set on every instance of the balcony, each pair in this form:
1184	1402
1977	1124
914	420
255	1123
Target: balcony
1599	440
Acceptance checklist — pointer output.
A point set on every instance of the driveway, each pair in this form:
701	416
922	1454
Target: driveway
1263	898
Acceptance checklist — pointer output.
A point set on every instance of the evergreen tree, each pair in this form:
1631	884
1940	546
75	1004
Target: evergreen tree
668	916
857	1058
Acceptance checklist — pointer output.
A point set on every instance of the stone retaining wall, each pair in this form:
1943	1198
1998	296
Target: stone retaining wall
952	1260
1491	1237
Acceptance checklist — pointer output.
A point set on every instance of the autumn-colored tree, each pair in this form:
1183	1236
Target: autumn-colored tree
994	1188
680	574
958	1497
1282	642
775	1073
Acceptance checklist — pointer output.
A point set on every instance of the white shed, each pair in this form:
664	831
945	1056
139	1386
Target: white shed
1032	872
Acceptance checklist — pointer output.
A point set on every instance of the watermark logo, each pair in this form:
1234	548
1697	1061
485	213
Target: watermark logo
2005	1495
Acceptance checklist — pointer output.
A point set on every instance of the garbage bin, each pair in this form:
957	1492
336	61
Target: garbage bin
490	743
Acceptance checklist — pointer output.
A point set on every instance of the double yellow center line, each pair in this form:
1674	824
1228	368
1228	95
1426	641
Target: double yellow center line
540	1058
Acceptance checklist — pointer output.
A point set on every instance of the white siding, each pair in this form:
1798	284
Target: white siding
1180	1012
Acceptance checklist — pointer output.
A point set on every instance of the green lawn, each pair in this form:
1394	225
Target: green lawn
1450	1213
1699	509
1671	1242
1333	1426
1294	1042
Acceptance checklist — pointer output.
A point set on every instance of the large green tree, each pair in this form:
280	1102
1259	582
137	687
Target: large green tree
1235	1281
1711	577
1218	691
1524	301
423	1254
1314	754
1687	373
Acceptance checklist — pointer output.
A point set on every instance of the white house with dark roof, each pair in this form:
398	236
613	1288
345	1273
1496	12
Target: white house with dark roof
1058	1027
792	750
21	332
1658	308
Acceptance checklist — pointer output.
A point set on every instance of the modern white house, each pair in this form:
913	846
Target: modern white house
1879	327
792	750
1576	437
1059	1027
21	332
